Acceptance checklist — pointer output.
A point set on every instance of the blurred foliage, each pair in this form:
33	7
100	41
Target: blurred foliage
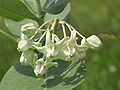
100	17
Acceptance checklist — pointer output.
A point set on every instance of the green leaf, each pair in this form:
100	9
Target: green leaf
20	77
34	6
15	27
54	6
66	76
64	15
15	10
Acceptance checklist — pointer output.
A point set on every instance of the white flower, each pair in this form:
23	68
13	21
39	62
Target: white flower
49	47
69	48
60	44
40	67
94	42
91	42
28	57
58	52
72	48
53	49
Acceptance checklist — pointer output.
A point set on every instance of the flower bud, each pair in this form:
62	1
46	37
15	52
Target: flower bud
28	57
23	45
94	42
40	67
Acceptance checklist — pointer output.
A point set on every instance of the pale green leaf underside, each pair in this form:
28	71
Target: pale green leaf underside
15	27
65	77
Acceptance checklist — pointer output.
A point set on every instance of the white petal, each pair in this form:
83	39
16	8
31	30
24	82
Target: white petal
50	50
73	35
59	45
39	69
63	41
40	49
56	38
27	26
69	50
83	41
66	51
22	59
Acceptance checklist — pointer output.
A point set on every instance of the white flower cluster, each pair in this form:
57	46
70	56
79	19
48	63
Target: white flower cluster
51	46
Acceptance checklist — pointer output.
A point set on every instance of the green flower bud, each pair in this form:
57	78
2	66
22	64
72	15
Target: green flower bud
28	57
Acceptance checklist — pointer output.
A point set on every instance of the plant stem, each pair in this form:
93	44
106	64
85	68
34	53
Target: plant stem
64	32
8	35
54	25
41	37
44	24
40	13
38	8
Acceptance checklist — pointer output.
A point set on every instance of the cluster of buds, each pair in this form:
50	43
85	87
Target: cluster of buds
41	45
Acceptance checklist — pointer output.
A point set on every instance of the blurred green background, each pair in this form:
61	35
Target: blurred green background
100	17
